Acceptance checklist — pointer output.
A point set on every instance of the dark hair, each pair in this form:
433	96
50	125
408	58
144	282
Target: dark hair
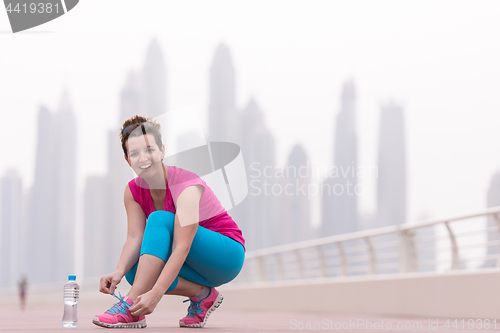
147	125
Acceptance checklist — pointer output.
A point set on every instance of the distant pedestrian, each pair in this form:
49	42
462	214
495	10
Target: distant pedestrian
23	286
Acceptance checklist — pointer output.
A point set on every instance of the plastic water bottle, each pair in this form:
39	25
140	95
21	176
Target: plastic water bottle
71	296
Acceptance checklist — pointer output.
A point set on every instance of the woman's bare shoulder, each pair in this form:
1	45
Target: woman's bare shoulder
127	196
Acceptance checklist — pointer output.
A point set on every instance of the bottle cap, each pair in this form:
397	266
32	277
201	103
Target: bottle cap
72	277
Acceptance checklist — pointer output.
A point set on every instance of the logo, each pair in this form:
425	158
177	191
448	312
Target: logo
28	14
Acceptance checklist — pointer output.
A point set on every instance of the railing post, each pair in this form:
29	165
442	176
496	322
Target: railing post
261	263
373	260
407	251
300	263
455	258
343	261
281	267
497	222
322	261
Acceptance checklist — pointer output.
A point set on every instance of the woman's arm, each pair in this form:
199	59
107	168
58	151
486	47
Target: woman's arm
136	221
132	247
185	227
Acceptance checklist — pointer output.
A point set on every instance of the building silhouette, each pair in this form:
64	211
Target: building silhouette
296	212
154	81
257	215
131	98
224	120
339	200
41	222
223	116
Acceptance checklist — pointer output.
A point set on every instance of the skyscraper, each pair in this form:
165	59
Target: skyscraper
223	118
225	124
298	208
132	98
339	200
257	214
42	219
391	189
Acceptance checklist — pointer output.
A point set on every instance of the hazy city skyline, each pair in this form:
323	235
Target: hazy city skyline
420	53
266	219
444	74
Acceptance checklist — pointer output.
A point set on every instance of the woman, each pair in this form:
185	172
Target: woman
180	240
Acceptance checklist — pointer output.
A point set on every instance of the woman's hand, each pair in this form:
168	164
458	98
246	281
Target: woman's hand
145	303
108	283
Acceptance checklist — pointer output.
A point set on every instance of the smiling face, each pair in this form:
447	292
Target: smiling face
144	155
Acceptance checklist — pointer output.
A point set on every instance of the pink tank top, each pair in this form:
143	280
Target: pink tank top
213	216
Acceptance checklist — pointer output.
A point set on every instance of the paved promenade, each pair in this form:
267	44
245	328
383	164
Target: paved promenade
44	314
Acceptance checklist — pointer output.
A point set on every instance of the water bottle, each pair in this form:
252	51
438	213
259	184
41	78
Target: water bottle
71	295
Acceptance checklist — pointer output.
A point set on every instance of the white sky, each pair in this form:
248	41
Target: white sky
440	58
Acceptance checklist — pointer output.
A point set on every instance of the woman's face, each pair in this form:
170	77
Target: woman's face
144	155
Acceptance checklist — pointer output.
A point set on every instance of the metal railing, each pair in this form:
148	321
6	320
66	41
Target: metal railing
396	249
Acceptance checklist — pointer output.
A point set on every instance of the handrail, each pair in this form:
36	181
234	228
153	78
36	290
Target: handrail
496	218
455	259
407	250
366	233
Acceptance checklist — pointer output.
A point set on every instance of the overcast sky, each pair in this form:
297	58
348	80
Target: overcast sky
439	58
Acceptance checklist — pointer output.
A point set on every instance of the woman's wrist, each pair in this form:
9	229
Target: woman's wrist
120	271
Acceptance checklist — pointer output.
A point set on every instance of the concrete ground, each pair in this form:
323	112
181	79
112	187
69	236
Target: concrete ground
44	314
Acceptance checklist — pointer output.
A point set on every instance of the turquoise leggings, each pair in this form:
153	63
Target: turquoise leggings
213	260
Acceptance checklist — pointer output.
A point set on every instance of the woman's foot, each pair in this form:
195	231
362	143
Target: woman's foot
199	310
119	316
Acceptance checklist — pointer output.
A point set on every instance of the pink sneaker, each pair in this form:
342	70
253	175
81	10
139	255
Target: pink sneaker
119	316
199	310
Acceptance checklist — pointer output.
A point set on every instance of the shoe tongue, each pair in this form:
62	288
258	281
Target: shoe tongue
194	299
128	300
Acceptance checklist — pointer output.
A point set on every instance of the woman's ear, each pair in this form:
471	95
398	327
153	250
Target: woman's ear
162	152
125	155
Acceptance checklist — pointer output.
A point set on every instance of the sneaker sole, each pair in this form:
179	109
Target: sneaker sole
217	303
139	324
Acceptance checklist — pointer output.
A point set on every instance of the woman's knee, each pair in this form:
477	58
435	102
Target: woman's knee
161	218
158	236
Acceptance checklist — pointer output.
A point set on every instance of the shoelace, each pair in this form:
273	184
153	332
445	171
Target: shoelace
120	307
194	308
